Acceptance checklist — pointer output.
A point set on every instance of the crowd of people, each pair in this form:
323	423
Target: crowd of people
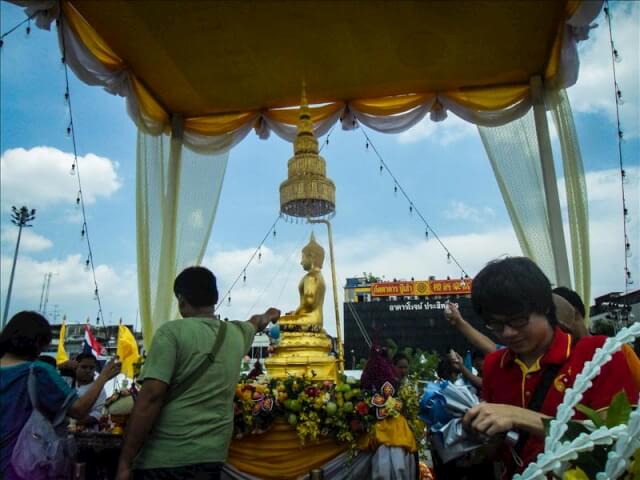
182	422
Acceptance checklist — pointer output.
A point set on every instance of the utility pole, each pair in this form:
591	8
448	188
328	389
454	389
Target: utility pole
20	218
44	296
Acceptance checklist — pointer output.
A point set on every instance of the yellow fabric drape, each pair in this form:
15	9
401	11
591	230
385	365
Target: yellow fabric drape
127	350
278	454
392	432
61	354
391	105
149	106
218	124
94	43
486	99
291	116
481	99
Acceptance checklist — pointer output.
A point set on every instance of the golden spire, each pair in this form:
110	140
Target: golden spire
307	192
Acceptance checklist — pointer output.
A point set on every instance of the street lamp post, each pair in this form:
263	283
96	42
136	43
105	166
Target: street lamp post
21	218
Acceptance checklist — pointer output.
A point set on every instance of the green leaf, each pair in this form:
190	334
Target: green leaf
574	428
619	410
591	414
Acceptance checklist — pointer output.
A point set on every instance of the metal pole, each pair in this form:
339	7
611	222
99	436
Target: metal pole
13	271
335	294
556	231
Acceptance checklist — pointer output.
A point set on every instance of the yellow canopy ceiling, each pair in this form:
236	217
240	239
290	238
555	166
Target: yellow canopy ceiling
199	57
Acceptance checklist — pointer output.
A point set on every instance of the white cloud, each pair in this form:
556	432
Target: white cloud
40	177
458	210
451	130
71	289
29	241
594	90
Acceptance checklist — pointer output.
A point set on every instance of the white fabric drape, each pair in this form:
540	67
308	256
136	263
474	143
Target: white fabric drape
177	193
514	156
576	189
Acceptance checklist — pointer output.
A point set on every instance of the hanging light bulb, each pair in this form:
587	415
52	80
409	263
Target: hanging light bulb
619	97
73	169
1	43
627	249
274	233
410	209
426	233
244	277
616	55
448	257
229	300
366	146
68	131
95	294
82	232
87	263
27	31
381	168
78	200
395	190
66	97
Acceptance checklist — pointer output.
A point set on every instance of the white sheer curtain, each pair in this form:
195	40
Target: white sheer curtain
514	155
576	187
177	193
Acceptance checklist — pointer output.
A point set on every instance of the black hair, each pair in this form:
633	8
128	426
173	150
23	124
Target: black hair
84	355
399	356
26	335
445	369
512	286
197	285
572	297
477	354
48	359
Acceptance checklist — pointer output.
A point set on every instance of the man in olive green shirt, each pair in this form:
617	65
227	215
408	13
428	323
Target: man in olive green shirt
187	436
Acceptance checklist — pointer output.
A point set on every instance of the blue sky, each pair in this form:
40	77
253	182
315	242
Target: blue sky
442	166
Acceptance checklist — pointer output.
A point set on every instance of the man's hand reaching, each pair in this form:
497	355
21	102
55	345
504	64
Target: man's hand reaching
261	321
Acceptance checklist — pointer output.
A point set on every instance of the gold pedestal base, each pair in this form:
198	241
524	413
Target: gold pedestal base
303	354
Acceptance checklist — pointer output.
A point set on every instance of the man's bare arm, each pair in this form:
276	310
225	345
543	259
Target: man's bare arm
260	322
145	412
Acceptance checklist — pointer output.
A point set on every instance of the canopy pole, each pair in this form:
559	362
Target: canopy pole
556	231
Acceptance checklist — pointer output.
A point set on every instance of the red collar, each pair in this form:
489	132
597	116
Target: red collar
557	353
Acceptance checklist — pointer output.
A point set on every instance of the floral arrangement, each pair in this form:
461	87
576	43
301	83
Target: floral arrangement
322	409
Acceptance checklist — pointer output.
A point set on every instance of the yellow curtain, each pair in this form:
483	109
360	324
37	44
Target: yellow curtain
487	99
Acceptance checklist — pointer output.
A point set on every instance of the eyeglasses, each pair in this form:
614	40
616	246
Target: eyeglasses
514	322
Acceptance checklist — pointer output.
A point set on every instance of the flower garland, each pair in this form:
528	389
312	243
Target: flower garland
322	409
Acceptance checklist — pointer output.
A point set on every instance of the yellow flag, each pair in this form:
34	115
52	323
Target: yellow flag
127	350
61	354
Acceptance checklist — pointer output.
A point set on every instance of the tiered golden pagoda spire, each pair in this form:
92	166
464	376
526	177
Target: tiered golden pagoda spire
307	192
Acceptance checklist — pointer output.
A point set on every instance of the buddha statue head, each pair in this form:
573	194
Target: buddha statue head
312	255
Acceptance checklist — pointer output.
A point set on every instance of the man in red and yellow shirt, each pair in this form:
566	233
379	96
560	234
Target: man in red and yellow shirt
514	298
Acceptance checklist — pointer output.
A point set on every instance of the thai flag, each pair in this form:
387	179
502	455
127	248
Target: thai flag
90	343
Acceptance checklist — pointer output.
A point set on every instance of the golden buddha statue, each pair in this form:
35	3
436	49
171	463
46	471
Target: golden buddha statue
304	346
311	287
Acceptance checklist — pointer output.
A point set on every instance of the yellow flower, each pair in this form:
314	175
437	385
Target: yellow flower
575	474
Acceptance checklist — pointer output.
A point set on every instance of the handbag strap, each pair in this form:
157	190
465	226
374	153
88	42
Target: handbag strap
32	388
198	372
537	399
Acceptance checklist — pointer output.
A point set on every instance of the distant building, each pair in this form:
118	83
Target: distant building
616	309
411	313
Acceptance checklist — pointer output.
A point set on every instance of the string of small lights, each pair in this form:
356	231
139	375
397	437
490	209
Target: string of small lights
257	253
13	29
397	187
75	171
615	58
